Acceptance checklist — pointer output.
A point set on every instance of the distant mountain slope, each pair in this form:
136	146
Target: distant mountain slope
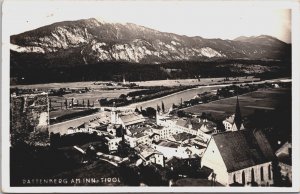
91	41
92	49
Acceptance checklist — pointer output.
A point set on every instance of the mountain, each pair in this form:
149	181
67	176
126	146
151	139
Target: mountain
92	41
261	40
95	41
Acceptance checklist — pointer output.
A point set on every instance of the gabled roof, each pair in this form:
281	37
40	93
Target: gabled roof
208	126
174	161
243	149
195	123
145	151
167	143
132	118
183	136
139	131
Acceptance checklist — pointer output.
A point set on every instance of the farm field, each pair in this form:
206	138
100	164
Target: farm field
266	99
92	96
175	82
203	81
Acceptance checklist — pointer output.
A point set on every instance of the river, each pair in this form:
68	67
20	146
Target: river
188	94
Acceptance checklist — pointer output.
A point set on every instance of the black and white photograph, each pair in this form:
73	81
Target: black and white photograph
138	95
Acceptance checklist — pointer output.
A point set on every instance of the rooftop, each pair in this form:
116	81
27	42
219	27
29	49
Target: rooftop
183	136
167	143
245	149
145	150
196	123
132	118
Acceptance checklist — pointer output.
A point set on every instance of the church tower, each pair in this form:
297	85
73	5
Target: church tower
238	122
114	115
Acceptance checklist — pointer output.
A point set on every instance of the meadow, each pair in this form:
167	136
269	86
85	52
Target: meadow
263	99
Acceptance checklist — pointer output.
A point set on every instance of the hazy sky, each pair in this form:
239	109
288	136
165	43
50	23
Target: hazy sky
193	18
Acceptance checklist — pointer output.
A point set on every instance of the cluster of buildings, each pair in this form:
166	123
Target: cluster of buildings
236	156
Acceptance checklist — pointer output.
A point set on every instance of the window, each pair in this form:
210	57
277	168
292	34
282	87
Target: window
252	175
269	172
234	178
261	173
243	178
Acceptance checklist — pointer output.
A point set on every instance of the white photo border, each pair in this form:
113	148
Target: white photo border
5	87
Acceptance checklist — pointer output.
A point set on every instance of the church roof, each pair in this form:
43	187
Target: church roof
243	149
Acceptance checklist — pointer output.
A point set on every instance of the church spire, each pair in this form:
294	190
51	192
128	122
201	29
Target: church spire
238	116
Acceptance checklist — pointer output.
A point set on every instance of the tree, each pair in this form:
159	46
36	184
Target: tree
158	108
137	110
181	113
151	112
174	106
66	103
122	96
162	106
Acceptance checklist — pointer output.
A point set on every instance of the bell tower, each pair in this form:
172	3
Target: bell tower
238	122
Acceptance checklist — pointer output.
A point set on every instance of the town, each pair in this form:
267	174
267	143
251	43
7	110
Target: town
165	145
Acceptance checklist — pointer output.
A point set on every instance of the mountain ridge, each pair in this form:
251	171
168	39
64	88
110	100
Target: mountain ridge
103	41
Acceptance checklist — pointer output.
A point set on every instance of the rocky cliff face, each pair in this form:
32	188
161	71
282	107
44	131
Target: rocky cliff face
91	41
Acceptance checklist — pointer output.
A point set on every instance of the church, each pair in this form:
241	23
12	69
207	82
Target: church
240	158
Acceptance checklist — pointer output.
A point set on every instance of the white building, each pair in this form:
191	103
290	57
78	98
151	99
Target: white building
150	155
138	135
174	149
240	157
230	125
202	128
164	132
113	143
